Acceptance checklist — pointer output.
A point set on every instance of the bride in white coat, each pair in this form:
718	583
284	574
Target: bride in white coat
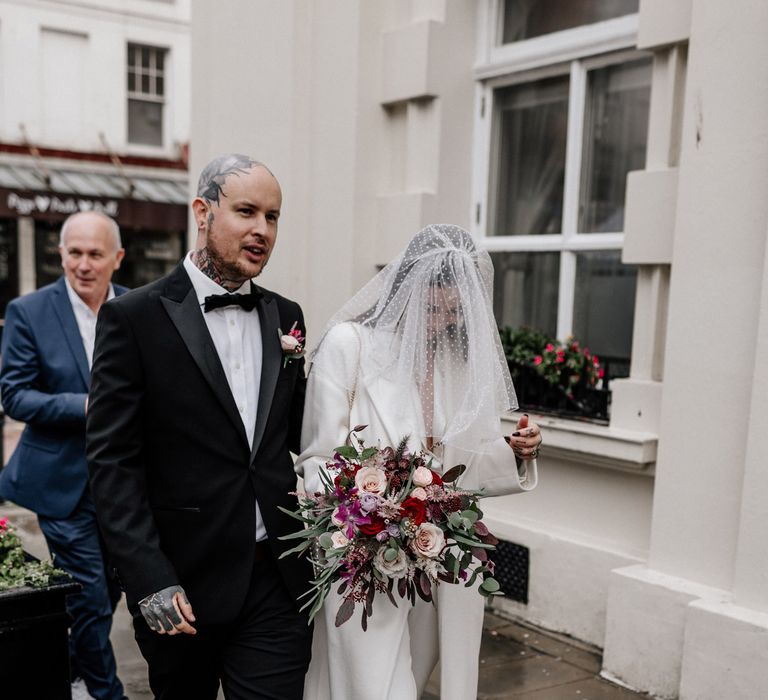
415	353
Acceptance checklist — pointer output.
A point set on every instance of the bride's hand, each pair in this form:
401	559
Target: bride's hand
526	439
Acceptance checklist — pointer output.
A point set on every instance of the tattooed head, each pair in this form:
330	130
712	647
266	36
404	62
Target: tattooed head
236	211
211	182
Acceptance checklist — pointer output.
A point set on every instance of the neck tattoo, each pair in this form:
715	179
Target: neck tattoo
204	262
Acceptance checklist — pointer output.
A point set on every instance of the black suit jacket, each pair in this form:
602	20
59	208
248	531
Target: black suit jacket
172	475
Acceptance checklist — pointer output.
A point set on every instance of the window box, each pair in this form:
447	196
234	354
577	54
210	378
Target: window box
34	641
534	393
562	379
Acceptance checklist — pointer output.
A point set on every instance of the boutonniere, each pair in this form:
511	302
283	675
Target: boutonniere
292	344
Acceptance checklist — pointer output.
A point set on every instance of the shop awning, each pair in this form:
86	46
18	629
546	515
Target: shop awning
138	199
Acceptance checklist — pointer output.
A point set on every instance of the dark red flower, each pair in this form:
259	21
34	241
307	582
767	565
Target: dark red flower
452	503
436	478
346	477
415	509
376	525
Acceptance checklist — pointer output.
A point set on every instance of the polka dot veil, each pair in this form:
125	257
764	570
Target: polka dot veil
428	329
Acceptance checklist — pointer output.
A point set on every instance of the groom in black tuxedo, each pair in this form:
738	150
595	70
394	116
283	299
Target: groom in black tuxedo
193	410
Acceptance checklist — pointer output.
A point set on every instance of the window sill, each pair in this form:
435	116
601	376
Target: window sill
596	445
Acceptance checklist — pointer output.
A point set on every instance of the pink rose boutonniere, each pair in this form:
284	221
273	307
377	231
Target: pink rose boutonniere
292	344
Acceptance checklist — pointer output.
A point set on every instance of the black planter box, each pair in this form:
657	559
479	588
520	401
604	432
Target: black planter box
535	393
34	642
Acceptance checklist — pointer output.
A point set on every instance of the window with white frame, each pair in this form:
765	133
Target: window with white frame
563	104
146	94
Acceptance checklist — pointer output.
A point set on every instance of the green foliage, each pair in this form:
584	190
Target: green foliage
522	344
347	451
15	569
564	365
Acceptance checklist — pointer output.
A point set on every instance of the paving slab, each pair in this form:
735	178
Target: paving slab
569	650
519	676
589	689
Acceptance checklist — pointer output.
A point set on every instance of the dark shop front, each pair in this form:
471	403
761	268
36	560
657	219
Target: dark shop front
152	220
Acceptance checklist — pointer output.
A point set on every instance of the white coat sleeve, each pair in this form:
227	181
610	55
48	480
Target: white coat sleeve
499	474
327	404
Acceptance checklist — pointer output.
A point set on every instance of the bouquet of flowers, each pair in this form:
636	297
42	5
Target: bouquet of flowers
386	522
15	569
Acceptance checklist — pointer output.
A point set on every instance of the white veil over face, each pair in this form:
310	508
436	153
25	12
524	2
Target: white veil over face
428	323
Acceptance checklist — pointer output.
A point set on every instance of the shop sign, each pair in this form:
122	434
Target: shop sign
53	204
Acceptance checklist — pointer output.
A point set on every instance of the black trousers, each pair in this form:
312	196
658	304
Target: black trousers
263	655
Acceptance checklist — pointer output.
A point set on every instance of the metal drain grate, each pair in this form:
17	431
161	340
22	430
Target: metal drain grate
512	562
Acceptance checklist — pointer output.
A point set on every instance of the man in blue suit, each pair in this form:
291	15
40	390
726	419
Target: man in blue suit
47	350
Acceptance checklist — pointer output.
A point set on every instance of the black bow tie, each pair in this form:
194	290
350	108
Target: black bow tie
246	301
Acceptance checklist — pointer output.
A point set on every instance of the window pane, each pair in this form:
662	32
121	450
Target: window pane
159	86
604	307
615	138
524	19
145	57
159	60
145	84
525	290
145	122
148	256
531	127
131	81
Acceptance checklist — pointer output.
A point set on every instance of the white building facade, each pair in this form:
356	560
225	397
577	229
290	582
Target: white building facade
612	158
94	114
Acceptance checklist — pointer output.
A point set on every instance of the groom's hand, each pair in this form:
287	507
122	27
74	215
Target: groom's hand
168	611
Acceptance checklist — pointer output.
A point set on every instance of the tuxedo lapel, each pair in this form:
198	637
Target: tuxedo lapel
271	357
180	302
63	308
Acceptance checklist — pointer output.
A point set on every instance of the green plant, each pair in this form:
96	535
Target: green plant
568	365
522	344
565	365
15	569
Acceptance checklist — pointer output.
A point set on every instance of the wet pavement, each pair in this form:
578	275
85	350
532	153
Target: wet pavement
523	662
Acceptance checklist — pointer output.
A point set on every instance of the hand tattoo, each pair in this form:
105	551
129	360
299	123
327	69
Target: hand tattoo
159	611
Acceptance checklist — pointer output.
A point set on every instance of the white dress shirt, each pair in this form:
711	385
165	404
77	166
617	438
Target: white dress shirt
236	334
86	319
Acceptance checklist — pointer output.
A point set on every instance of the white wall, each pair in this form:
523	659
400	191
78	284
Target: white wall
579	524
365	154
64	71
705	573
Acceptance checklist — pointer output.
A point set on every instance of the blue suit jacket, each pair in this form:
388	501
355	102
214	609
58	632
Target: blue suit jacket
44	382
